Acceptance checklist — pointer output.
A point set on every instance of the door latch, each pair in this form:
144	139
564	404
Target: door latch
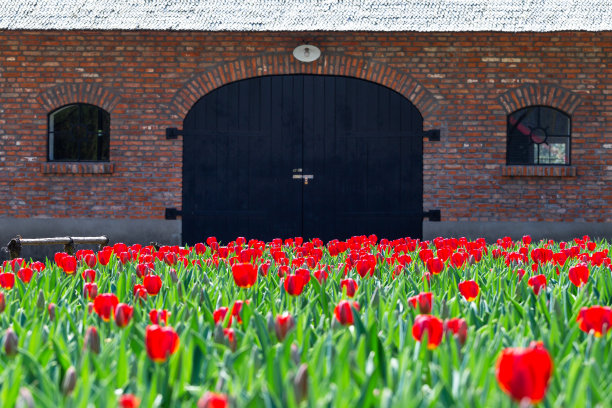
300	176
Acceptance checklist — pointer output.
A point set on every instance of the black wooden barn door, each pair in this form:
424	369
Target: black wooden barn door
302	155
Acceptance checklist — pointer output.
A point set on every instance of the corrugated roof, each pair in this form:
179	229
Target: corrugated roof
308	15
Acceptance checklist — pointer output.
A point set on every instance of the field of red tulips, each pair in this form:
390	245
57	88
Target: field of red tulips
365	322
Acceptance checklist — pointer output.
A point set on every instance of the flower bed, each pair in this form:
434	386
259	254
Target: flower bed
288	323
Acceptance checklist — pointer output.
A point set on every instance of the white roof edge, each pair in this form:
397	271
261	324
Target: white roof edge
309	15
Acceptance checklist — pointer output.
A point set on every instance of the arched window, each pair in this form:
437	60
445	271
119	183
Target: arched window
79	132
538	135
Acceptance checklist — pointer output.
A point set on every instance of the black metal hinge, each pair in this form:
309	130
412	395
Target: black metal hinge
173	133
433	135
172	213
433	215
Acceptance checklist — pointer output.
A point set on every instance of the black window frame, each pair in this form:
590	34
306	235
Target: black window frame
533	161
103	135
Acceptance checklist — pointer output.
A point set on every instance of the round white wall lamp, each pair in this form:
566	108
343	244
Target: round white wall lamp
306	53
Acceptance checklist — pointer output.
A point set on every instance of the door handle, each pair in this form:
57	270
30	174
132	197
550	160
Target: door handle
304	177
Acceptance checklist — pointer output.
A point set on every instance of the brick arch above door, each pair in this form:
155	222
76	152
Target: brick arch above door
329	64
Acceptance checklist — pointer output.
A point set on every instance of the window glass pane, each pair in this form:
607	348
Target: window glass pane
538	135
524	120
552	152
554	122
79	132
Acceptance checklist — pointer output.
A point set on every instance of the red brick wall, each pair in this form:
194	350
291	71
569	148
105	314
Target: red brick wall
463	83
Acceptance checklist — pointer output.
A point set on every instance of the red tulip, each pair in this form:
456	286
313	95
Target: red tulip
159	316
458	327
595	319
105	304
161	342
129	401
90	260
143	270
264	267
523	373
200	248
213	400
2	302
579	274
344	312
350	285
89	275
366	265
7	280
140	292
432	326
170	258
219	315
123	314
237	308
25	274
37	266
424	301
90	290
230	335
58	258
537	282
245	274
434	265
469	289
283	324
321	275
304	273
223	251
17	264
152	284
104	256
294	284
458	259
69	264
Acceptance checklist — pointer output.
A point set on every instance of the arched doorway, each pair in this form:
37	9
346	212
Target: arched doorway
302	155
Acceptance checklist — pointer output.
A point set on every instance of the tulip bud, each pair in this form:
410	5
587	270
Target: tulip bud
219	336
90	307
270	321
300	383
11	342
173	275
51	309
40	301
92	340
69	381
295	354
25	399
471	260
123	314
205	279
283	324
179	291
2	302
